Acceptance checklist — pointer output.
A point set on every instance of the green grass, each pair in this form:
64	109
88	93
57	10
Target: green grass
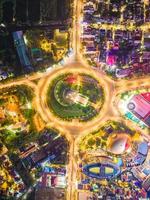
59	90
66	112
92	91
61	109
25	96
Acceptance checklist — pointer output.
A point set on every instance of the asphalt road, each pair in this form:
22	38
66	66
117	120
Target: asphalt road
74	131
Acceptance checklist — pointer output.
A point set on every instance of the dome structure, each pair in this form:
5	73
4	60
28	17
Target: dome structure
119	143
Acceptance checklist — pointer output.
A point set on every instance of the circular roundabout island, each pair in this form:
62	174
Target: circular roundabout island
77	96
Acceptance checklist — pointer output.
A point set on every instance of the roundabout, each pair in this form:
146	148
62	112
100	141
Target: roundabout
74	94
90	112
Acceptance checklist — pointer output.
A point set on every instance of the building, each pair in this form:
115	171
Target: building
146	183
22	50
49	194
85	195
105	169
119	143
53	180
77	98
121	73
139	105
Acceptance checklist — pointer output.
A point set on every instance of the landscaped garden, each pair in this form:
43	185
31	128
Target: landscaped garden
105	137
16	116
75	96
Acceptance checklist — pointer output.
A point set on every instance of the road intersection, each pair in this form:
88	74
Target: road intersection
74	130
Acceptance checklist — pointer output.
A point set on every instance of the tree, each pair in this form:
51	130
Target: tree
91	142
